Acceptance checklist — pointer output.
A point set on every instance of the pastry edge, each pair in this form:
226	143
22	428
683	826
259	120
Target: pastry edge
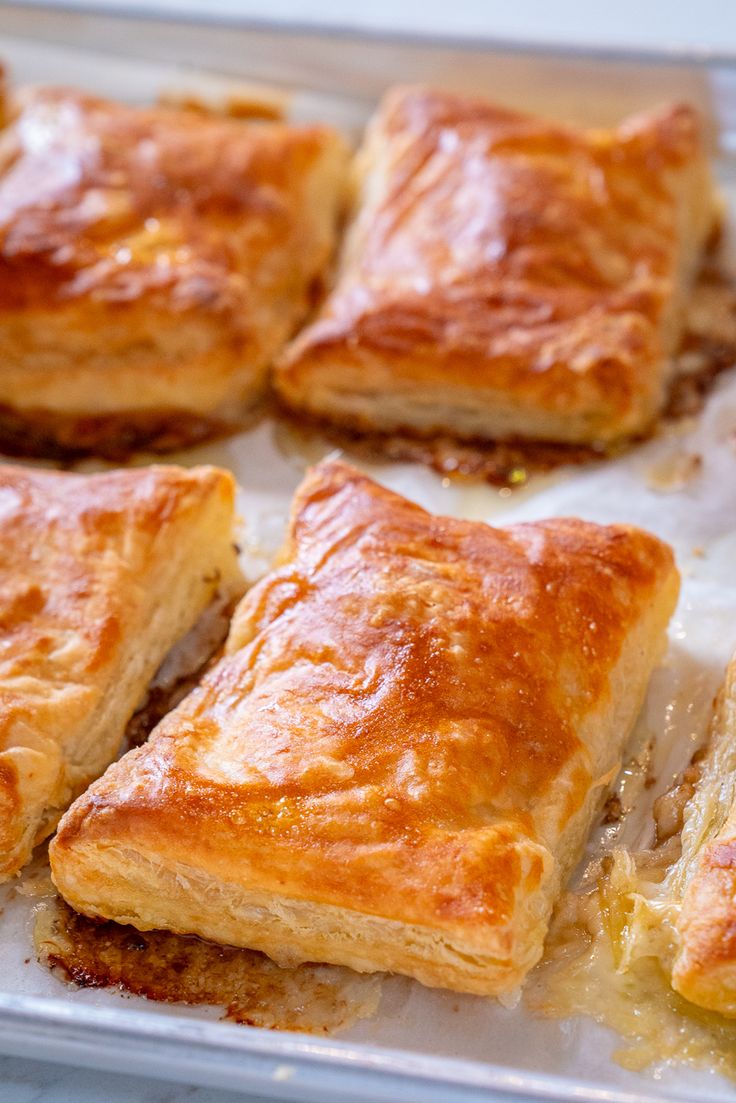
234	914
38	783
704	965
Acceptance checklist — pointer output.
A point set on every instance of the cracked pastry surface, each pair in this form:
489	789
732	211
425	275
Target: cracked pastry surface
396	762
508	277
152	262
100	575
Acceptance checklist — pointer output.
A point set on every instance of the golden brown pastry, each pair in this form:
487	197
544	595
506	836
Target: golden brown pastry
152	261
704	880
396	763
99	576
506	276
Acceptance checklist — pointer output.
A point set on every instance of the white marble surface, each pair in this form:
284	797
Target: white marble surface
39	1082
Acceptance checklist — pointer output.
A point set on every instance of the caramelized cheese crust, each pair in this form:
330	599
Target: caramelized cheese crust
506	276
396	762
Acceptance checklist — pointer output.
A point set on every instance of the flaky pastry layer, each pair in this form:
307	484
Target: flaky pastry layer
703	883
154	259
508	277
396	763
100	575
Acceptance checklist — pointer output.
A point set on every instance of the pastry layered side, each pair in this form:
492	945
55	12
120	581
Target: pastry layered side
100	575
396	763
152	262
506	276
703	883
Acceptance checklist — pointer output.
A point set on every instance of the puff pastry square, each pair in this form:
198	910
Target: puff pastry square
396	763
100	575
508	277
703	883
152	262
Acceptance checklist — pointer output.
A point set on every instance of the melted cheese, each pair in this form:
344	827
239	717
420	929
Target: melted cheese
608	958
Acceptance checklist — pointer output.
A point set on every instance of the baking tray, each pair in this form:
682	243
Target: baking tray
423	1045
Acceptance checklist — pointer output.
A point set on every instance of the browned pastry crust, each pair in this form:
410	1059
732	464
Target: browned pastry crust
152	260
508	277
100	575
395	765
704	969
